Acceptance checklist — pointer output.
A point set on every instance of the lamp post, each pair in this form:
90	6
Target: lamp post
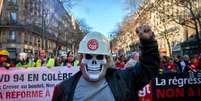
111	39
66	41
38	42
44	15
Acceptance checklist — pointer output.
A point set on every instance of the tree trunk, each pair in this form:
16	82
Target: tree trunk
199	23
168	43
197	36
167	40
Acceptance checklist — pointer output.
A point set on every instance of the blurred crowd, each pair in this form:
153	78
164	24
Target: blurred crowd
180	64
25	60
177	64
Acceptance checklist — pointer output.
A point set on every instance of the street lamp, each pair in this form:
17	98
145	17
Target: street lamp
38	44
44	15
111	35
66	41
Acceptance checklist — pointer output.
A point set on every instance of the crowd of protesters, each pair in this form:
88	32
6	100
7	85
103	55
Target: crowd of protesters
180	64
25	60
177	64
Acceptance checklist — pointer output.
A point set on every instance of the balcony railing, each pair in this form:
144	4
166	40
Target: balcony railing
12	6
34	29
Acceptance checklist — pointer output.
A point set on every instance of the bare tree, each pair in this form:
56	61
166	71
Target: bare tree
165	34
187	14
133	5
84	26
69	4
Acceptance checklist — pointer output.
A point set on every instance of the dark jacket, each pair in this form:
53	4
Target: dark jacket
124	84
179	67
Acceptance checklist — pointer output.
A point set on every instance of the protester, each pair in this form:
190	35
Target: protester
76	60
98	81
120	63
42	59
182	64
71	61
59	61
194	62
171	66
199	63
23	61
4	60
38	62
133	60
62	60
51	62
31	62
164	64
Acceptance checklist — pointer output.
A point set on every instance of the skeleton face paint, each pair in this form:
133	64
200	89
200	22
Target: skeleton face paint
94	66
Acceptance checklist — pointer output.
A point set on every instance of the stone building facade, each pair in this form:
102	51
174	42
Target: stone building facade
168	32
33	25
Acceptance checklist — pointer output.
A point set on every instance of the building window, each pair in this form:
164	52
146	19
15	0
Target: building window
38	42
26	38
13	1
13	17
12	36
30	39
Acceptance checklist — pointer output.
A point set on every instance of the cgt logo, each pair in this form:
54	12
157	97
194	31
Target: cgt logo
93	44
145	91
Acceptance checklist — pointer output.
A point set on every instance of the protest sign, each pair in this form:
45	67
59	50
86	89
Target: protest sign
177	87
32	84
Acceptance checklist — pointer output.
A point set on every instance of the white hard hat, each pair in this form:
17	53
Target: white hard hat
135	54
22	56
94	43
63	53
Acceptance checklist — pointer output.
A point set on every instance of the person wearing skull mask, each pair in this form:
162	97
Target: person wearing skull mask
98	81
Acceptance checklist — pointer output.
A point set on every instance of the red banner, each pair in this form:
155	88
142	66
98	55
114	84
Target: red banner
145	94
173	87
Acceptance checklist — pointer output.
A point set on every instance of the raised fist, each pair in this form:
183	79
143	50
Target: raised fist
144	32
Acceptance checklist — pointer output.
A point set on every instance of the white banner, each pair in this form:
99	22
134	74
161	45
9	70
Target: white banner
32	84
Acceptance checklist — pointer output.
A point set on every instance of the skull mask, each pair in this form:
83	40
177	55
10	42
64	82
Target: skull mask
93	66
